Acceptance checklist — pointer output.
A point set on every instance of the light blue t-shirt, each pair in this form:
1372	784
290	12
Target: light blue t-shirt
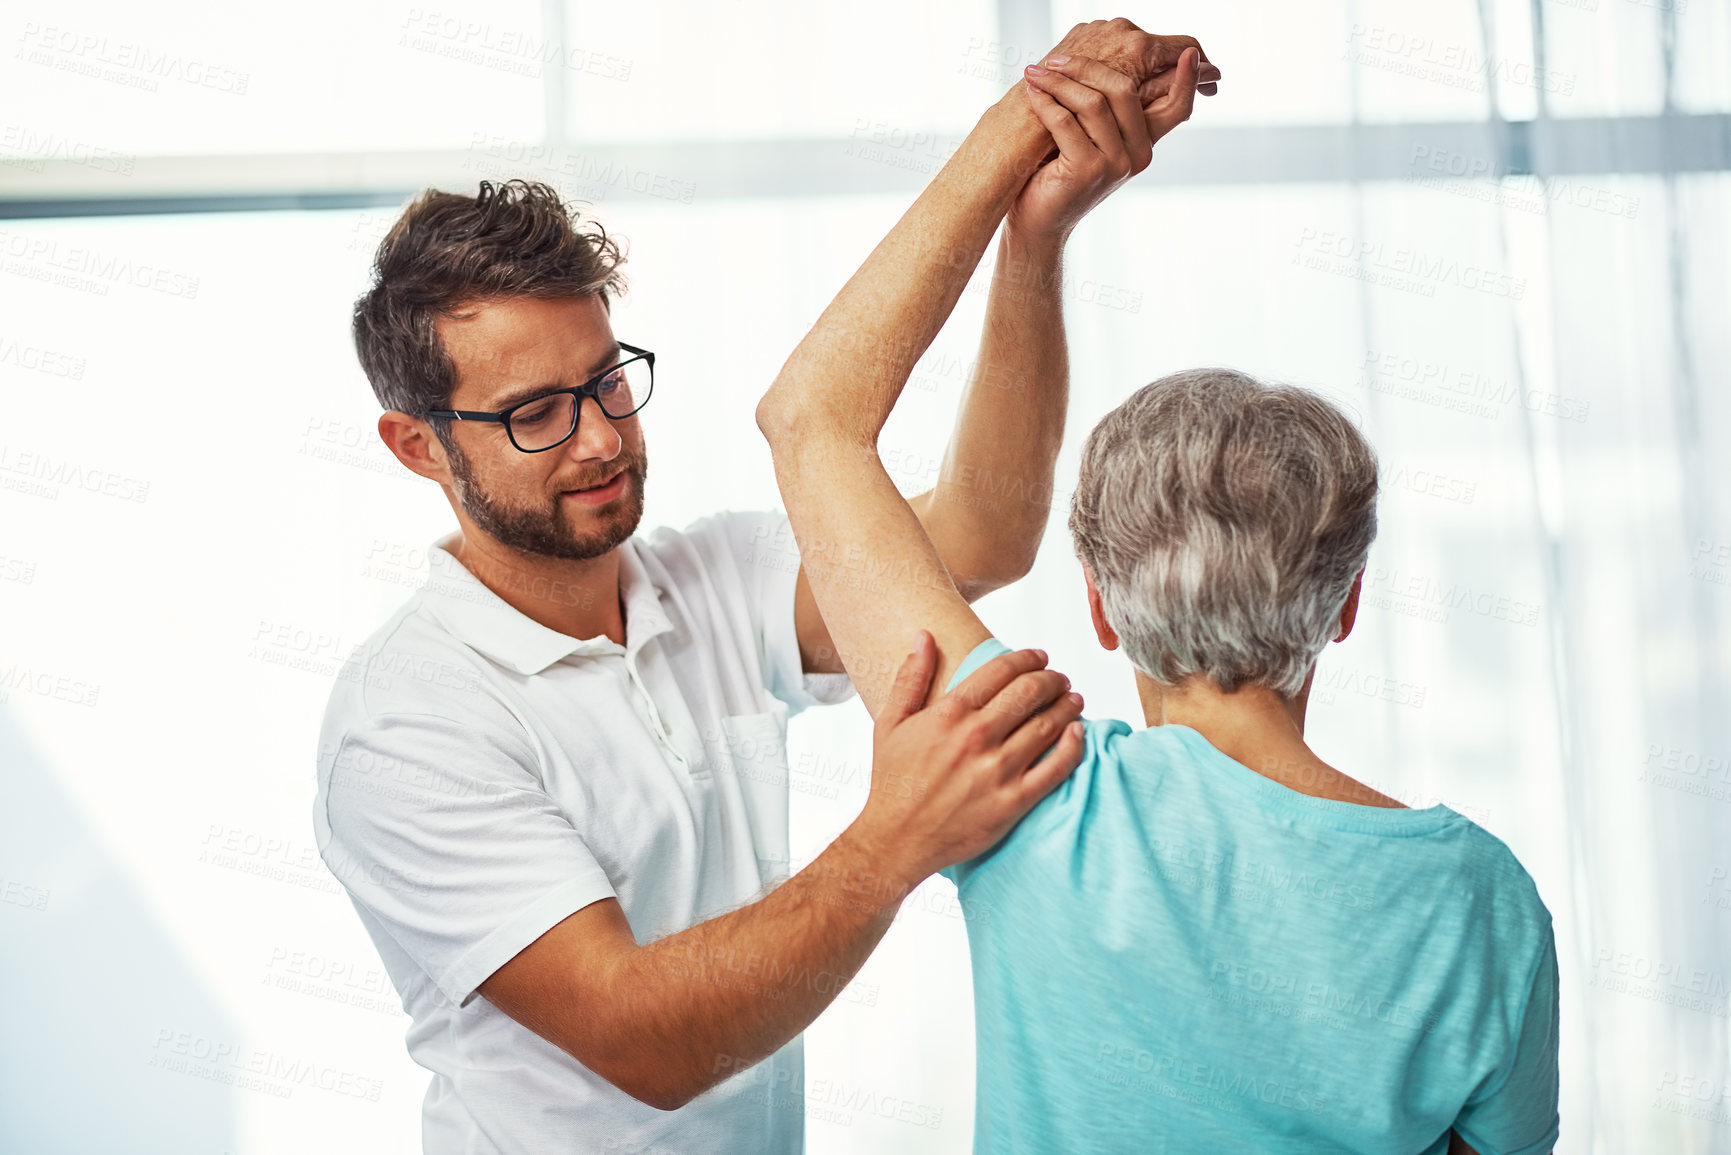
1173	953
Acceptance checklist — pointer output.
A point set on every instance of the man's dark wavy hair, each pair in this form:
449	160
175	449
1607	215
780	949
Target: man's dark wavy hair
449	252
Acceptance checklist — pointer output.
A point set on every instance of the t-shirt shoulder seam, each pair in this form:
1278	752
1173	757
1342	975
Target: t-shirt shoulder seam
1513	874
1510	860
346	733
1046	818
382	640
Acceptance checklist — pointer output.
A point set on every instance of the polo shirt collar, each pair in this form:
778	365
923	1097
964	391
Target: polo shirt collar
485	622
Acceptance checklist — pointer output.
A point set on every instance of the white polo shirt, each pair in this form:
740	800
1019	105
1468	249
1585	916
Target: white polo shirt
481	777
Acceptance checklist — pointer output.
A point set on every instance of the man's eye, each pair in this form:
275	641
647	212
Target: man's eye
612	383
533	414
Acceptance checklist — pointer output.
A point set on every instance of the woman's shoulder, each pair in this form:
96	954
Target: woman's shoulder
1495	876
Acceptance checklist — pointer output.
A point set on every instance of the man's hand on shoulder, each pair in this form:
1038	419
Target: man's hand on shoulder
667	1020
950	780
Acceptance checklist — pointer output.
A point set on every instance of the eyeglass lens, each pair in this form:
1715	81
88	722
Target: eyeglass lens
545	422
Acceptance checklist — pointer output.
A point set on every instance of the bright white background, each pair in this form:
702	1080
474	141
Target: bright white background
197	521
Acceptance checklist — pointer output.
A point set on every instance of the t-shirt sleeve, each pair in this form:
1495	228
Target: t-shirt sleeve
442	831
762	546
978	656
1097	734
1518	1115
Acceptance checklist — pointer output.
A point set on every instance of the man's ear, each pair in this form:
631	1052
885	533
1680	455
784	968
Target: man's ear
412	441
1349	612
1102	628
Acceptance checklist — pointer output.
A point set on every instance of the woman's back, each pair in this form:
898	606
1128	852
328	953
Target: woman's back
1174	953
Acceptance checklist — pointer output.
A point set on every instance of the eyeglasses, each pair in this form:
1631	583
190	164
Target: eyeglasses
545	422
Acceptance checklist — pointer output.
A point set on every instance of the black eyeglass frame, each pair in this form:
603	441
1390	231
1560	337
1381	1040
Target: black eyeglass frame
589	388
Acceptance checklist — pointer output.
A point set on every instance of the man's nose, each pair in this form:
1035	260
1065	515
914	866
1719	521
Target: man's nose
596	438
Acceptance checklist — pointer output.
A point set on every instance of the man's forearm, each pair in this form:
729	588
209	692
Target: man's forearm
691	1009
989	509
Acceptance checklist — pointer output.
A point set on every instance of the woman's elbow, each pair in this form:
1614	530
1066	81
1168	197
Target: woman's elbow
779	417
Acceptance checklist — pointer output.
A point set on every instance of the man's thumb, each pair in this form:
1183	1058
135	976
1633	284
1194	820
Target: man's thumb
908	695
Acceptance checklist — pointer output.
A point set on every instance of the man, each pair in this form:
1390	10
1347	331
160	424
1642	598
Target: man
1206	938
555	782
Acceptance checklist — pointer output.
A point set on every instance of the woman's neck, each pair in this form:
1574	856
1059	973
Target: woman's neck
1257	728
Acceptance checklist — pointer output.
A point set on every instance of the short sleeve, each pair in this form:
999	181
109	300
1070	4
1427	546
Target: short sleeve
1519	1116
958	872
977	657
442	832
762	546
1038	822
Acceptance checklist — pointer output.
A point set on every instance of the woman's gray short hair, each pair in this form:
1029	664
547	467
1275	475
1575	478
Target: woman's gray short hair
1223	521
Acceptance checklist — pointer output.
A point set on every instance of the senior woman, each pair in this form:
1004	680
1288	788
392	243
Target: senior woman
1205	938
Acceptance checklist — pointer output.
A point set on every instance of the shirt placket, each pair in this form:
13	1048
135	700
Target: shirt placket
649	713
676	727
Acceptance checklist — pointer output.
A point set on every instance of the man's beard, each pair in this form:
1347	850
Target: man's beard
543	529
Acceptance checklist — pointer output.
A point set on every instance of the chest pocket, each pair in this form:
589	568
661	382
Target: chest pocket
753	755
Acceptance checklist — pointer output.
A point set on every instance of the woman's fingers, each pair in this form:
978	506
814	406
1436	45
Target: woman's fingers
1178	100
1092	109
1067	134
1122	97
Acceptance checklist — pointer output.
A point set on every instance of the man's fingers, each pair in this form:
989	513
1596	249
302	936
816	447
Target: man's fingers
984	684
1058	764
1022	748
1207	76
1160	83
1029	693
913	680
